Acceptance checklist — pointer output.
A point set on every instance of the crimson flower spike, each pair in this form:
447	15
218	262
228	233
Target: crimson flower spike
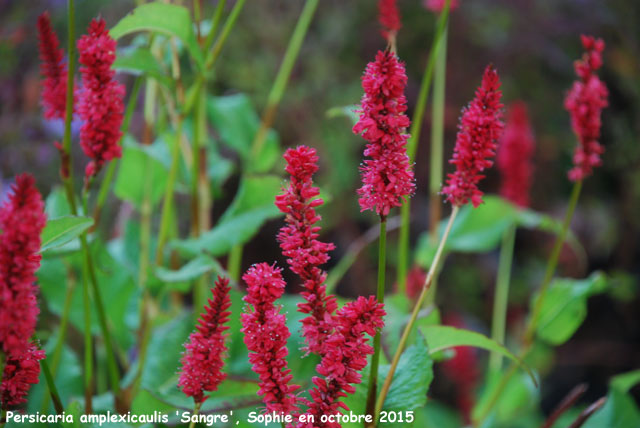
205	351
101	103
299	243
345	357
515	150
476	142
387	177
22	219
389	18
584	102
265	335
53	69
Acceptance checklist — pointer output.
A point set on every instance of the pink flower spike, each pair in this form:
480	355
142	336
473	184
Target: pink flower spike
389	17
345	357
584	102
101	104
299	243
514	156
476	143
387	177
437	5
265	335
204	354
53	69
22	219
21	370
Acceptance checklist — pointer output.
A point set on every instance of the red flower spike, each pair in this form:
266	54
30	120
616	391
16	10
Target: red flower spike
101	99
20	372
514	156
387	176
389	17
345	356
584	102
265	335
53	69
437	5
204	354
299	243
476	143
22	219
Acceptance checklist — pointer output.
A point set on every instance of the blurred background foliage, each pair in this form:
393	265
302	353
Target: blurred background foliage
532	43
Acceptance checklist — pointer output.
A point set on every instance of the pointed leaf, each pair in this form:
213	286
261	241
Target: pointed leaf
61	230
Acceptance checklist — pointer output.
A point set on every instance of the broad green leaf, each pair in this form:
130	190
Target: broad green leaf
252	206
624	382
56	204
411	380
565	306
75	410
142	172
59	231
517	402
440	337
163	18
436	415
139	60
620	411
236	121
192	270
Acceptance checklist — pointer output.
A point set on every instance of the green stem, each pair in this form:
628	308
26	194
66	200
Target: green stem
88	340
282	78
414	315
552	263
165	218
62	332
67	164
375	360
53	391
234	264
437	136
109	174
501	296
215	51
215	23
102	318
412	145
196	411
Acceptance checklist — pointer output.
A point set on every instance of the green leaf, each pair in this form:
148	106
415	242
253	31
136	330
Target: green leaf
412	379
565	307
252	206
143	172
59	231
139	60
163	18
624	382
518	400
620	411
75	410
192	270
440	337
237	122
350	112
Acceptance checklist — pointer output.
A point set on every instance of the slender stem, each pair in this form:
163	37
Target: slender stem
414	315
215	51
196	410
412	145
88	340
66	168
109	174
552	263
102	318
215	23
167	206
62	332
282	78
53	391
501	295
234	264
437	137
375	360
